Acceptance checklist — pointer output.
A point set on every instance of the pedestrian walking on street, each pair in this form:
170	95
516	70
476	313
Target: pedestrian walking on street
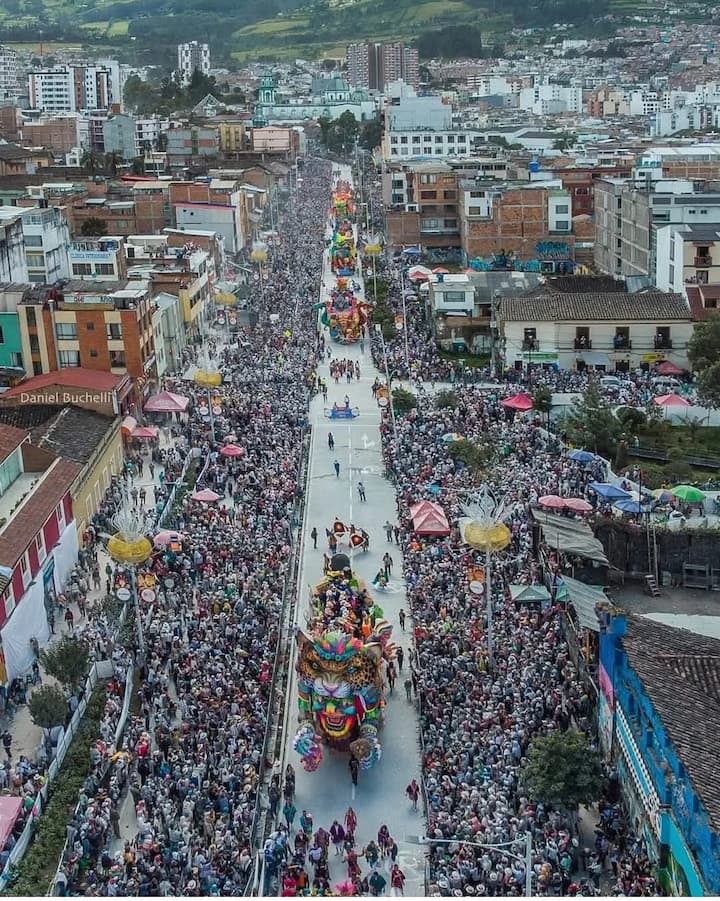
289	812
7	743
336	466
401	617
388	564
337	836
397	881
274	798
400	656
388	531
331	441
391	676
408	689
314	536
350	822
69	619
396	530
354	767
361	491
413	792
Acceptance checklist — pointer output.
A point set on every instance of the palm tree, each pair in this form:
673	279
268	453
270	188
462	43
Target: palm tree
112	160
91	161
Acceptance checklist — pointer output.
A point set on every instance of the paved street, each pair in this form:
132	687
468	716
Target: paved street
327	793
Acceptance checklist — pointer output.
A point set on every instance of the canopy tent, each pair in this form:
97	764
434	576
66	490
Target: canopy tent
520	401
10	807
584	599
607	491
167	402
670	400
667	367
581	456
570	536
419	274
429	518
144	431
206	496
530	594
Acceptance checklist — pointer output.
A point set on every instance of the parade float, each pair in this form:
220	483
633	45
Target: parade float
343	204
344	314
341	662
343	254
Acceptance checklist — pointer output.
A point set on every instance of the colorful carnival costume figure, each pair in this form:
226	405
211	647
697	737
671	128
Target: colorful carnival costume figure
341	663
344	314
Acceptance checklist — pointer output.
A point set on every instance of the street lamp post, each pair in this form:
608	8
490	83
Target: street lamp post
525	858
405	326
209	376
378	330
130	547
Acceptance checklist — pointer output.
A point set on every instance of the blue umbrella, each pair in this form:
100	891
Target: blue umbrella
581	456
628	505
413	251
607	491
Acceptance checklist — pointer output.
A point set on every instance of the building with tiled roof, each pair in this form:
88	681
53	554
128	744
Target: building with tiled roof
608	330
105	393
659	719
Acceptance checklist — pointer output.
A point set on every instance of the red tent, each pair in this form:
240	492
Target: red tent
671	400
206	496
144	431
10	808
520	402
429	519
167	402
668	368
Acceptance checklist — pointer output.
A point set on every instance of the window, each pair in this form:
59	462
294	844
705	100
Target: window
562	225
37	367
34	344
69	358
403	139
438	139
450	223
66	331
33	240
416	139
40	546
90	326
456	297
30	316
428	195
393	139
60	513
117	358
2	335
8	597
462	139
398	183
561	209
114	331
25	568
93	354
82	269
451	139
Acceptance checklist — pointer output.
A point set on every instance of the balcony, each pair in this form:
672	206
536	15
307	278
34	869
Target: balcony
583	344
663	343
703	262
621	342
530	344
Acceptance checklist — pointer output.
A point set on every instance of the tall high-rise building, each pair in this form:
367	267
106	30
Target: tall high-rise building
192	56
69	89
373	66
8	74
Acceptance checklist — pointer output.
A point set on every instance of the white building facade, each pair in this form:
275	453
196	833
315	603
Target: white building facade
13	265
192	56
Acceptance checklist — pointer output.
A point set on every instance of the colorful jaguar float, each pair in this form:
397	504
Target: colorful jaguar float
341	660
343	255
344	314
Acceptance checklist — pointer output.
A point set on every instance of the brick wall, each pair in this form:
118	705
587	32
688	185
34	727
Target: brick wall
92	338
131	340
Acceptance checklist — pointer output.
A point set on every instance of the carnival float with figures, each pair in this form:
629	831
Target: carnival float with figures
343	203
341	663
344	314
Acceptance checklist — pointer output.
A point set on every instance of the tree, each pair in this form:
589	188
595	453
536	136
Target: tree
562	771
67	660
48	707
477	457
91	161
339	135
112	160
371	134
591	422
93	227
704	354
403	400
137	167
565	141
542	401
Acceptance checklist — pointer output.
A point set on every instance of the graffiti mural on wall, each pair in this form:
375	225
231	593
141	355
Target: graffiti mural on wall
443	255
553	258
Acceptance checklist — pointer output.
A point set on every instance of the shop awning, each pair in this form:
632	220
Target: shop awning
584	599
590	358
570	536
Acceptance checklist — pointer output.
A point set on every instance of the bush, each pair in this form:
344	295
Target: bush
403	400
631	418
68	660
679	471
48	707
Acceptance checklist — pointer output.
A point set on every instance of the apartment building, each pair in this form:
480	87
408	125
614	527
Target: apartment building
70	89
57	133
13	264
374	65
218	206
429	217
46	236
98	259
187	144
9	81
687	255
629	212
192	56
101	326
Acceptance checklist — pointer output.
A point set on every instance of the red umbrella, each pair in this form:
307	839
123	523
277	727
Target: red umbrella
206	496
419	274
553	502
232	450
670	400
144	431
167	402
577	504
519	402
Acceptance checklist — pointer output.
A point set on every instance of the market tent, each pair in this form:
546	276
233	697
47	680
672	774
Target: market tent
607	491
419	274
670	400
167	402
520	401
569	536
144	431
668	368
206	496
10	807
584	599
429	518
529	594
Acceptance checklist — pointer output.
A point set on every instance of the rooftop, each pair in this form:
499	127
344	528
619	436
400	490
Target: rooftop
680	671
10	152
69	432
72	377
21	529
10	438
594	307
699	232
